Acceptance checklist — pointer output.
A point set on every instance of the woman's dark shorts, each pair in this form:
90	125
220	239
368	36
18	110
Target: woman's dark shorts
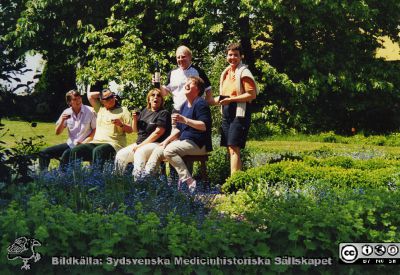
234	130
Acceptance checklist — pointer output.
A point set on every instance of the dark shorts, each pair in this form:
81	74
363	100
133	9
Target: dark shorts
234	131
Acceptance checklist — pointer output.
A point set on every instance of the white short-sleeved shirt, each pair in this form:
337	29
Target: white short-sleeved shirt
79	125
177	79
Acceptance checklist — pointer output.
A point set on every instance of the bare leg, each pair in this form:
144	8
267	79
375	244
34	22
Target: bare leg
234	154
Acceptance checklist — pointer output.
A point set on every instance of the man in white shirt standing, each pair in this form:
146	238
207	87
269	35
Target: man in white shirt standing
178	77
81	123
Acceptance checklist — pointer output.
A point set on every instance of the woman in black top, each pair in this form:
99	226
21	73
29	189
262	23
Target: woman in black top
153	125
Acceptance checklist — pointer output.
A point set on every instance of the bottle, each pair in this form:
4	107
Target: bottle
157	75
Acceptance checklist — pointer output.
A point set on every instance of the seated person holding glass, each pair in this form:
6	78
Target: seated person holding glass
153	126
80	120
113	122
192	135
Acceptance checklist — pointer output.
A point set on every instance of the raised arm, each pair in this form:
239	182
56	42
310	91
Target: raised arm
94	98
164	91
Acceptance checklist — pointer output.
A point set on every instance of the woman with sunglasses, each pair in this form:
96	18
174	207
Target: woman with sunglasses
113	123
153	125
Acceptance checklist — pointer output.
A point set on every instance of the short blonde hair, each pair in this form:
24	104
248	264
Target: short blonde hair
155	90
184	49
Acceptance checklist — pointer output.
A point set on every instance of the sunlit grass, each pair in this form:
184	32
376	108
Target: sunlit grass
21	129
303	146
298	143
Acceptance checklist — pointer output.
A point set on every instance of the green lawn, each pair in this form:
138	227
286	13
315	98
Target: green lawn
302	146
24	129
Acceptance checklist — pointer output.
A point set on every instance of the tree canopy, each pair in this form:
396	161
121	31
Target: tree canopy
10	59
313	59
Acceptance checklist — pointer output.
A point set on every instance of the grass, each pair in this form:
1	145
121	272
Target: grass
297	143
24	129
303	146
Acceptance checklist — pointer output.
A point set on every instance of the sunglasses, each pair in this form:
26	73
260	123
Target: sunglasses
107	98
156	95
187	87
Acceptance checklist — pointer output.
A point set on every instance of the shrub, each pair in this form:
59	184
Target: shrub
329	137
218	164
275	221
297	173
17	162
272	120
312	219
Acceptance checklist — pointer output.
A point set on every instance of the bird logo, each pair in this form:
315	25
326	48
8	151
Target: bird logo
24	248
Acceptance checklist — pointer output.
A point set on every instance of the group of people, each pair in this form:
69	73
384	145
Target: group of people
99	134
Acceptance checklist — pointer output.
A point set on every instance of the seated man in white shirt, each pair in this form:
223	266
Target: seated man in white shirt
81	123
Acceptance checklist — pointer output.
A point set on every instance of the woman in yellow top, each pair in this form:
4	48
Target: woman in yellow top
237	90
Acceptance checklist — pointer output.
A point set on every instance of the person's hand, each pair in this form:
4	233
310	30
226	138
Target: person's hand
178	118
135	147
117	122
225	101
164	144
65	116
135	115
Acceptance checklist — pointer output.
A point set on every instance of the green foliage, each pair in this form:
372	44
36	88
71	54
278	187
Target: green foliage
313	59
63	232
218	164
272	120
265	222
10	60
300	204
337	171
56	30
313	218
17	162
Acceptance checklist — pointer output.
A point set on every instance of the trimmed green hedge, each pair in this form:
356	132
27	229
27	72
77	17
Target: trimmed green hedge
338	171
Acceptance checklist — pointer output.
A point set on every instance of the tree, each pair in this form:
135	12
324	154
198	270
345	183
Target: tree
315	59
55	28
10	61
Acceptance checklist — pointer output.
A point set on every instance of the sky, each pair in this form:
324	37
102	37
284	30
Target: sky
33	62
390	50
